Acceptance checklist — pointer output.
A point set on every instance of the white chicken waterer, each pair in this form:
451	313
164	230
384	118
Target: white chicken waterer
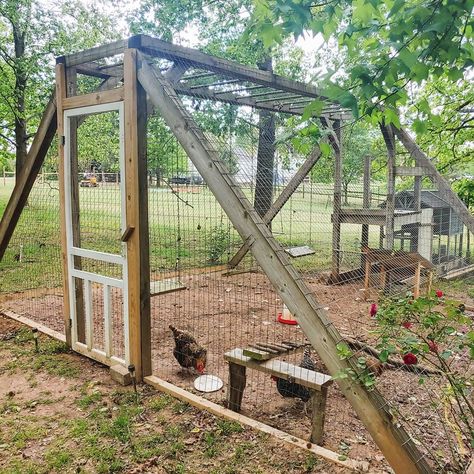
208	383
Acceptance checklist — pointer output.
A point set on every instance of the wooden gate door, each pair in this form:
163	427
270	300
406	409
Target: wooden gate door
96	252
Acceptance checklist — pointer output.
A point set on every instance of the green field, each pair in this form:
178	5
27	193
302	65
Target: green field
187	230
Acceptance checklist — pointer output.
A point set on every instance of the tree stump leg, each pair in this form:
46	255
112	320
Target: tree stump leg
319	414
237	382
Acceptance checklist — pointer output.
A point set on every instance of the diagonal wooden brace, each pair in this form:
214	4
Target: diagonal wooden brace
276	207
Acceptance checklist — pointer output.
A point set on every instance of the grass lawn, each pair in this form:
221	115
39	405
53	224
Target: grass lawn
200	236
61	413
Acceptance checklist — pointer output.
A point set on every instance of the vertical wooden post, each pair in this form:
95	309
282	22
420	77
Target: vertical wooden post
237	382
368	268
136	190
389	138
71	86
383	279
60	96
319	414
366	205
336	223
416	283
430	283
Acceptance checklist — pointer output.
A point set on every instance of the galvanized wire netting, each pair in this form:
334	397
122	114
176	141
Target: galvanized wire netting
227	307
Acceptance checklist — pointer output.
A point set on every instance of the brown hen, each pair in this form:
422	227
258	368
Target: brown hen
187	351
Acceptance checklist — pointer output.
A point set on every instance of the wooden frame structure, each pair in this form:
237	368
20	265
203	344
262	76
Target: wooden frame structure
155	74
391	261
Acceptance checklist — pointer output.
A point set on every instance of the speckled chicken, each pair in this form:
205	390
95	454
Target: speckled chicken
187	351
289	389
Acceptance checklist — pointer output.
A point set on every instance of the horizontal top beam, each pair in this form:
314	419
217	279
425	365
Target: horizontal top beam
197	59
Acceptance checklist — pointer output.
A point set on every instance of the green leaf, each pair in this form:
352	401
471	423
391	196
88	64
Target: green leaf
446	354
312	109
420	126
408	58
361	11
326	151
383	357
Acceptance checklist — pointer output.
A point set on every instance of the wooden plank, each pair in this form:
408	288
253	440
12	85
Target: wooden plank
193	57
444	187
301	251
99	52
219	410
24	182
95	98
108	321
256	354
136	189
281	200
411	171
237	382
274	106
318	415
167	285
389	139
33	324
416	283
261	347
284	370
71	82
60	96
373	410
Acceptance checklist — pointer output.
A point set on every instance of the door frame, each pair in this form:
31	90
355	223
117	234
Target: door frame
88	278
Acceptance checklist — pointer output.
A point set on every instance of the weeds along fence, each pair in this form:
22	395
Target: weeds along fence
227	308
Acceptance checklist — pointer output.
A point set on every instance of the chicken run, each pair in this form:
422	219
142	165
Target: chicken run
181	278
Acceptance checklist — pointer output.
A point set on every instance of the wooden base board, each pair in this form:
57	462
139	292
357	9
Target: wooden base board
218	410
33	324
168	285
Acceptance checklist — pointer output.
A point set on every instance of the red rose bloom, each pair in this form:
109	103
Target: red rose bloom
410	359
407	324
373	310
433	346
439	293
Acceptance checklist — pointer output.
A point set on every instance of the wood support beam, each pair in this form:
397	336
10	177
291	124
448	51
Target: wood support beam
364	241
61	94
71	84
374	411
24	182
100	52
411	171
159	48
136	189
389	139
95	98
443	186
337	203
281	200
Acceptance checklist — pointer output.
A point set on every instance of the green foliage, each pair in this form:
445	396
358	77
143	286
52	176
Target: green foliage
218	243
32	33
465	190
436	332
386	45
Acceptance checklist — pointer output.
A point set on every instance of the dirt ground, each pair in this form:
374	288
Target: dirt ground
62	413
224	313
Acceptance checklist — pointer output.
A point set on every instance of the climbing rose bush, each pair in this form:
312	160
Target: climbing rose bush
434	332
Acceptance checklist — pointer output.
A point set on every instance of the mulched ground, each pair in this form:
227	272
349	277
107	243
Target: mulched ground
228	312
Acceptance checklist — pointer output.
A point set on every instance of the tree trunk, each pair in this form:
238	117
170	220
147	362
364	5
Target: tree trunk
265	155
21	79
